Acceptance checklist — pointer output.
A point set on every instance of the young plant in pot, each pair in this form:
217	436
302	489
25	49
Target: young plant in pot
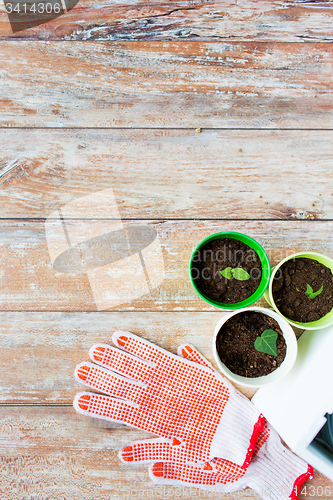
301	289
254	346
229	270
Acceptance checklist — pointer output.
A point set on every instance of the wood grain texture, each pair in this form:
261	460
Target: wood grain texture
50	451
237	66
50	344
166	84
174	174
54	454
29	282
279	20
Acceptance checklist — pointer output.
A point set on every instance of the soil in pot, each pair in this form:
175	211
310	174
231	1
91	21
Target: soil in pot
303	290
240	265
235	344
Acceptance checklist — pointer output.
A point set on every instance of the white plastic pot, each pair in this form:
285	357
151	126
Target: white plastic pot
281	371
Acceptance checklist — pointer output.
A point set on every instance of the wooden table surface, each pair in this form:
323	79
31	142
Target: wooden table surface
110	96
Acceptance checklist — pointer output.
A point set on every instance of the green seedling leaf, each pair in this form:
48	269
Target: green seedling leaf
297	289
267	342
240	275
318	292
311	294
226	273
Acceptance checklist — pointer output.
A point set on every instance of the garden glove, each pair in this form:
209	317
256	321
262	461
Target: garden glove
197	412
275	473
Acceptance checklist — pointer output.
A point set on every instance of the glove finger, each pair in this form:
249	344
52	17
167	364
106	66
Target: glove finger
121	362
191	475
189	352
141	348
108	382
262	438
150	450
105	408
171	473
227	470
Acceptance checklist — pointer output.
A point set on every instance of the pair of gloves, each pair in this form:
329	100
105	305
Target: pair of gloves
211	436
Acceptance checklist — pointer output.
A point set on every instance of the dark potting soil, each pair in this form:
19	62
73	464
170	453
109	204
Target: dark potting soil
235	344
216	256
290	285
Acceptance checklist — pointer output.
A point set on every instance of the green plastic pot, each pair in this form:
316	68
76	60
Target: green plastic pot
266	269
323	322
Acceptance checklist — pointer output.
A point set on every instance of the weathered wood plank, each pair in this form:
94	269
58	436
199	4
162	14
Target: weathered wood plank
50	344
165	84
29	282
266	174
291	20
55	454
51	450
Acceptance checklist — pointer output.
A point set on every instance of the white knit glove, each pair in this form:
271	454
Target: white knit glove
275	473
198	413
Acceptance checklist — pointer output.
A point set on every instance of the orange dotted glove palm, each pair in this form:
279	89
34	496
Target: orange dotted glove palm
275	473
198	413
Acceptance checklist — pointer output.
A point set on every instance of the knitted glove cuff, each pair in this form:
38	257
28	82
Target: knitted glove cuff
237	433
276	473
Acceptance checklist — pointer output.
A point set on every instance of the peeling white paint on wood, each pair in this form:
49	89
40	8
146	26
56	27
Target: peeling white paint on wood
166	84
243	79
56	454
50	344
25	260
225	174
262	20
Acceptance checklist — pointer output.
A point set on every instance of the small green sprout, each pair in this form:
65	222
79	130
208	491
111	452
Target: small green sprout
238	273
310	293
267	342
227	273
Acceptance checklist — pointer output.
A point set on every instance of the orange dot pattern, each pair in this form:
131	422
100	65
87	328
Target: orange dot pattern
217	471
108	382
197	475
121	362
262	438
180	401
149	450
223	471
189	352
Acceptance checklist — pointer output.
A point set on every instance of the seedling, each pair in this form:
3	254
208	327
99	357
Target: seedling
267	342
310	293
238	273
